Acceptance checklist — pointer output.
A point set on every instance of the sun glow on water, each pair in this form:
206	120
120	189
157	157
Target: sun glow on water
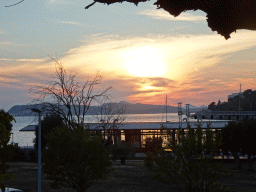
145	62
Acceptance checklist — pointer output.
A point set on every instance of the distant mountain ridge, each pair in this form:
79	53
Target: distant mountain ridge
25	110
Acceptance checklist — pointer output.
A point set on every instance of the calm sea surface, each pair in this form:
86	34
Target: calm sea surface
26	138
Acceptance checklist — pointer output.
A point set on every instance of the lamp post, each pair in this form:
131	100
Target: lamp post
39	148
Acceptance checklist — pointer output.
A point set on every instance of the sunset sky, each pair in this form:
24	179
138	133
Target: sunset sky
143	53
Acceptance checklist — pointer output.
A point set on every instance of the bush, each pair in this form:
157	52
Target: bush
32	155
5	149
18	154
153	147
49	123
24	154
75	158
122	151
190	165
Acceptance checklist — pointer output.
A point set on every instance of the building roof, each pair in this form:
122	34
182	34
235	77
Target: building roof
167	125
7	189
149	125
29	128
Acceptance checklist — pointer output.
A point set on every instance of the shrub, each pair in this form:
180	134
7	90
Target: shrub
24	154
5	149
75	159
153	147
191	166
122	151
18	154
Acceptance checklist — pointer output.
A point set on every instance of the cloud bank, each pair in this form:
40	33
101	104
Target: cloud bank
197	68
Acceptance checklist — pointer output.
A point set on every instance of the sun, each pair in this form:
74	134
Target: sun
145	62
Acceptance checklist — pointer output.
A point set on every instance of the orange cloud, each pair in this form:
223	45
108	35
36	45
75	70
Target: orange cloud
196	68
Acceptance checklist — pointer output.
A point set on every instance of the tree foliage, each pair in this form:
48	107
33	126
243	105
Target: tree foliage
5	149
75	159
66	98
6	119
220	16
48	124
153	147
122	150
239	137
247	102
190	165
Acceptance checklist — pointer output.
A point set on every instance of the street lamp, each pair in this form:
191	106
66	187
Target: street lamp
39	148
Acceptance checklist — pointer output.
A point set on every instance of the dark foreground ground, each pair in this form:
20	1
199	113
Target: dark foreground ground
126	178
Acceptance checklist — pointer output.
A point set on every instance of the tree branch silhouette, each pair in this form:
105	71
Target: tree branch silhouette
14	4
223	16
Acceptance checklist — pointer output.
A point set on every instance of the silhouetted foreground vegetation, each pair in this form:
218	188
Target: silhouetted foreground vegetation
75	158
247	103
5	149
24	154
191	164
48	124
220	17
74	97
238	137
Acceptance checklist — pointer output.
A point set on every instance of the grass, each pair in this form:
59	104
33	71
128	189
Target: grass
133	176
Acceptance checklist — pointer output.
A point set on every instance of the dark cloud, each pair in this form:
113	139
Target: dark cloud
197	89
162	82
149	91
154	81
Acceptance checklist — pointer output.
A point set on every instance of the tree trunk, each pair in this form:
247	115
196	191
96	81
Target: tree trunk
237	160
122	160
250	162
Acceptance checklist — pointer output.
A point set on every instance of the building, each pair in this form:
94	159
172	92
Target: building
136	133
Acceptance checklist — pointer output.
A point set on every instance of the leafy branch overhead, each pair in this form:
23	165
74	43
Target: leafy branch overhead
223	16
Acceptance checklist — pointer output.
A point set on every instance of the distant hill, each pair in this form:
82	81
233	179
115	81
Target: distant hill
195	109
21	110
148	109
25	110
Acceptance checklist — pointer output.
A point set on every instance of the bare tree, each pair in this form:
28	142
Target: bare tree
66	97
110	116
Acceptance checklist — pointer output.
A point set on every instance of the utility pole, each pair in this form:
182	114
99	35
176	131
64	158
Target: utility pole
180	114
187	112
239	101
166	108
